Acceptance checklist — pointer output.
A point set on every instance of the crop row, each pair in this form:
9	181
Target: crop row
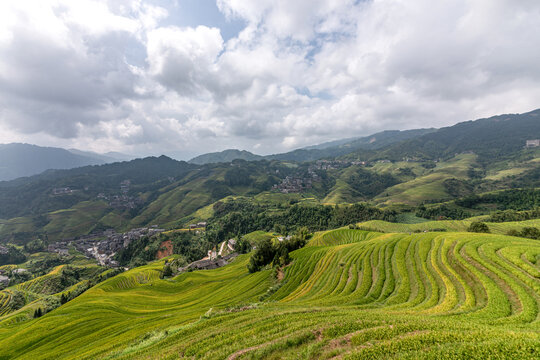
349	293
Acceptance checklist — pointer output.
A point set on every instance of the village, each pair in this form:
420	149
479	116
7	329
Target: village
117	201
103	246
297	184
532	143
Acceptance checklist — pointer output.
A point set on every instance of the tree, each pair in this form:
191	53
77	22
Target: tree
478	227
167	271
263	255
38	313
242	246
526	232
531	233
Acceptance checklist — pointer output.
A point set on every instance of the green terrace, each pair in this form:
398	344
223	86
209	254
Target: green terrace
348	293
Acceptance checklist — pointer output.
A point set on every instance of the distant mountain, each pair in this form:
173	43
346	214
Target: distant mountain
17	160
366	145
330	144
490	138
224	156
35	194
119	156
108	157
93	155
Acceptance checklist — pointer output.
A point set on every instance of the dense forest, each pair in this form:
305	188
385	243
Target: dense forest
510	200
235	218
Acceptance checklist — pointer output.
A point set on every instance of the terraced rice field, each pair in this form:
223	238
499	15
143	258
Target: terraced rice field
5	298
349	294
448	225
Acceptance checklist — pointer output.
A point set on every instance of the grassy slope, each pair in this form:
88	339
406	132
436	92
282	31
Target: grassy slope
34	292
448	225
191	200
77	220
349	293
429	186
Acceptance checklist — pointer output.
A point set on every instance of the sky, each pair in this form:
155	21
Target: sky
187	77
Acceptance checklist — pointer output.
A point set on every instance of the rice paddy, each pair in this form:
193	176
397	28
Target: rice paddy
348	294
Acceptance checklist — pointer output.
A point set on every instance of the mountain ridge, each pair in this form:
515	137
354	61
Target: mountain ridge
19	160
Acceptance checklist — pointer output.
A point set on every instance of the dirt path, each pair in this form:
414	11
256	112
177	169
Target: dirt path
221	248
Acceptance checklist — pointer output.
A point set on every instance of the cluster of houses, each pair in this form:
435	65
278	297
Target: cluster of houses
532	143
4	250
209	264
293	184
124	186
199	225
334	164
63	191
4	282
4	278
122	200
103	246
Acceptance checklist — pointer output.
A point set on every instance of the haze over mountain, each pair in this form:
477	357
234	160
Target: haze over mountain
482	136
17	160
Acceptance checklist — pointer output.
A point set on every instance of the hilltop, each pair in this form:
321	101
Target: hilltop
224	156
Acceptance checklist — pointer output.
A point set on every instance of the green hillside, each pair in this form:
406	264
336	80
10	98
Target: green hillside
364	145
432	185
497	137
447	225
224	156
350	294
172	194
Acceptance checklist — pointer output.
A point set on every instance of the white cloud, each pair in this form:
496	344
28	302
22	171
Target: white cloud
109	75
184	59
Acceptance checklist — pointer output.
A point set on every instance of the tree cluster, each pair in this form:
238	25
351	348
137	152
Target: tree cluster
512	215
225	225
277	254
441	212
478	227
526	232
516	199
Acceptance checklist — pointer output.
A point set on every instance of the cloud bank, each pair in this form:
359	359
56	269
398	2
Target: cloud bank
120	75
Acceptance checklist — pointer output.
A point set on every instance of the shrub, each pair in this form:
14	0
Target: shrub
242	246
531	233
38	313
478	227
526	232
167	271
